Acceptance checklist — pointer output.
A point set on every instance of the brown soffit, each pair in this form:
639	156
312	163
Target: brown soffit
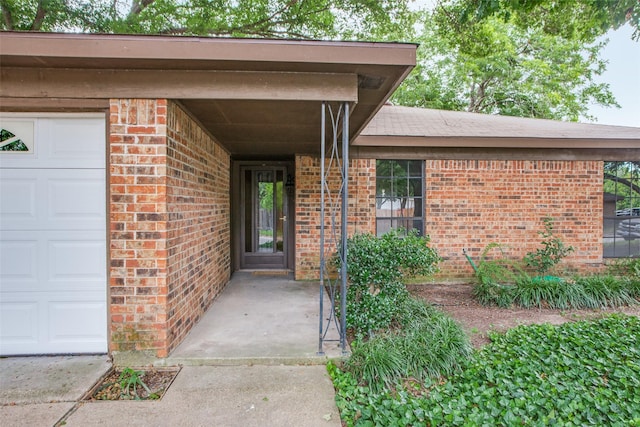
284	109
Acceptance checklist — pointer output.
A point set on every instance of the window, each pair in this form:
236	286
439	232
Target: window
16	135
621	209
399	195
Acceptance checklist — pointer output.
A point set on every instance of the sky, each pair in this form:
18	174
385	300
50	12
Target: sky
623	76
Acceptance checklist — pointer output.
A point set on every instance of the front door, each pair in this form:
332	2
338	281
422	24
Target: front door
263	217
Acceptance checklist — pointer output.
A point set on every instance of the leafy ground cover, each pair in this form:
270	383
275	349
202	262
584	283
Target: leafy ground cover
580	373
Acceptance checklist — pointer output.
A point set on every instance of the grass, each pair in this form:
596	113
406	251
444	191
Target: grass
596	291
580	373
426	343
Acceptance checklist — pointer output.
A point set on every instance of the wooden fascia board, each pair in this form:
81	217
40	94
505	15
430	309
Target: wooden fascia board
174	84
53	104
451	153
495	142
154	47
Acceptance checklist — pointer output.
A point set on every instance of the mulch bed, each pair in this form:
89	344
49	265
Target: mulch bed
477	320
157	380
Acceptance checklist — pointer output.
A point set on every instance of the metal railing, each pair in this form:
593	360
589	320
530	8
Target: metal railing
334	165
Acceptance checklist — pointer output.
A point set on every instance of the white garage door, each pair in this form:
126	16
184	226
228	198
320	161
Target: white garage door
53	285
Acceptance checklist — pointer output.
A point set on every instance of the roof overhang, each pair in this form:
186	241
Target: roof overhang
409	131
256	97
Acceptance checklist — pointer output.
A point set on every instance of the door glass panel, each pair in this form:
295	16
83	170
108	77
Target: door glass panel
247	204
263	225
269	218
265	210
279	219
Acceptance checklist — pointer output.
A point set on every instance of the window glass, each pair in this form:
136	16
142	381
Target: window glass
621	203
399	195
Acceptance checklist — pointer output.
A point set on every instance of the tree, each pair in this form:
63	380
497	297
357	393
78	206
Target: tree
347	19
623	180
502	66
584	19
512	57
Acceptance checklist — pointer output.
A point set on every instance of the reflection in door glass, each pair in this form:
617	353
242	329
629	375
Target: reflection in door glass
279	218
265	211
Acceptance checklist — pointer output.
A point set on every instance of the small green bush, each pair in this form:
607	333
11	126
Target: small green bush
503	282
378	267
626	267
494	269
552	252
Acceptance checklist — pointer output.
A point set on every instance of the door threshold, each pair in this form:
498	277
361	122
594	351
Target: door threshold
266	272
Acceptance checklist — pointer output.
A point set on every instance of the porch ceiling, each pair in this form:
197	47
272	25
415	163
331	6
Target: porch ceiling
258	98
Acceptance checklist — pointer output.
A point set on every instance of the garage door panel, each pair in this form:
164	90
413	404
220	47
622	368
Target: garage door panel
65	143
52	199
78	258
18	192
64	327
70	140
76	199
18	261
18	323
53	322
38	261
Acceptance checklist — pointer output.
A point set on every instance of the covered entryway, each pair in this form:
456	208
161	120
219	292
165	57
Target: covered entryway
263	219
183	111
53	286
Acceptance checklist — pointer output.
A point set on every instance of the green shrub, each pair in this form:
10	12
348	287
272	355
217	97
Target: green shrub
428	344
494	269
581	373
552	252
495	277
377	268
626	267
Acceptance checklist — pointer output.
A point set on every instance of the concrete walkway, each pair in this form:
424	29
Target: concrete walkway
259	319
266	327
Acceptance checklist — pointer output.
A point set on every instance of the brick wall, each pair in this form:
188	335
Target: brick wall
169	224
138	225
470	204
198	223
361	205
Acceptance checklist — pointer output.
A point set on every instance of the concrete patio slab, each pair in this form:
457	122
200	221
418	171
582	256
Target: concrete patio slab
39	414
259	319
46	379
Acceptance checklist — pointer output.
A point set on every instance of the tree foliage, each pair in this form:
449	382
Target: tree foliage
240	18
511	57
583	19
502	64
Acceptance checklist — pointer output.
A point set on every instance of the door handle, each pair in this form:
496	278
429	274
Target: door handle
284	218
